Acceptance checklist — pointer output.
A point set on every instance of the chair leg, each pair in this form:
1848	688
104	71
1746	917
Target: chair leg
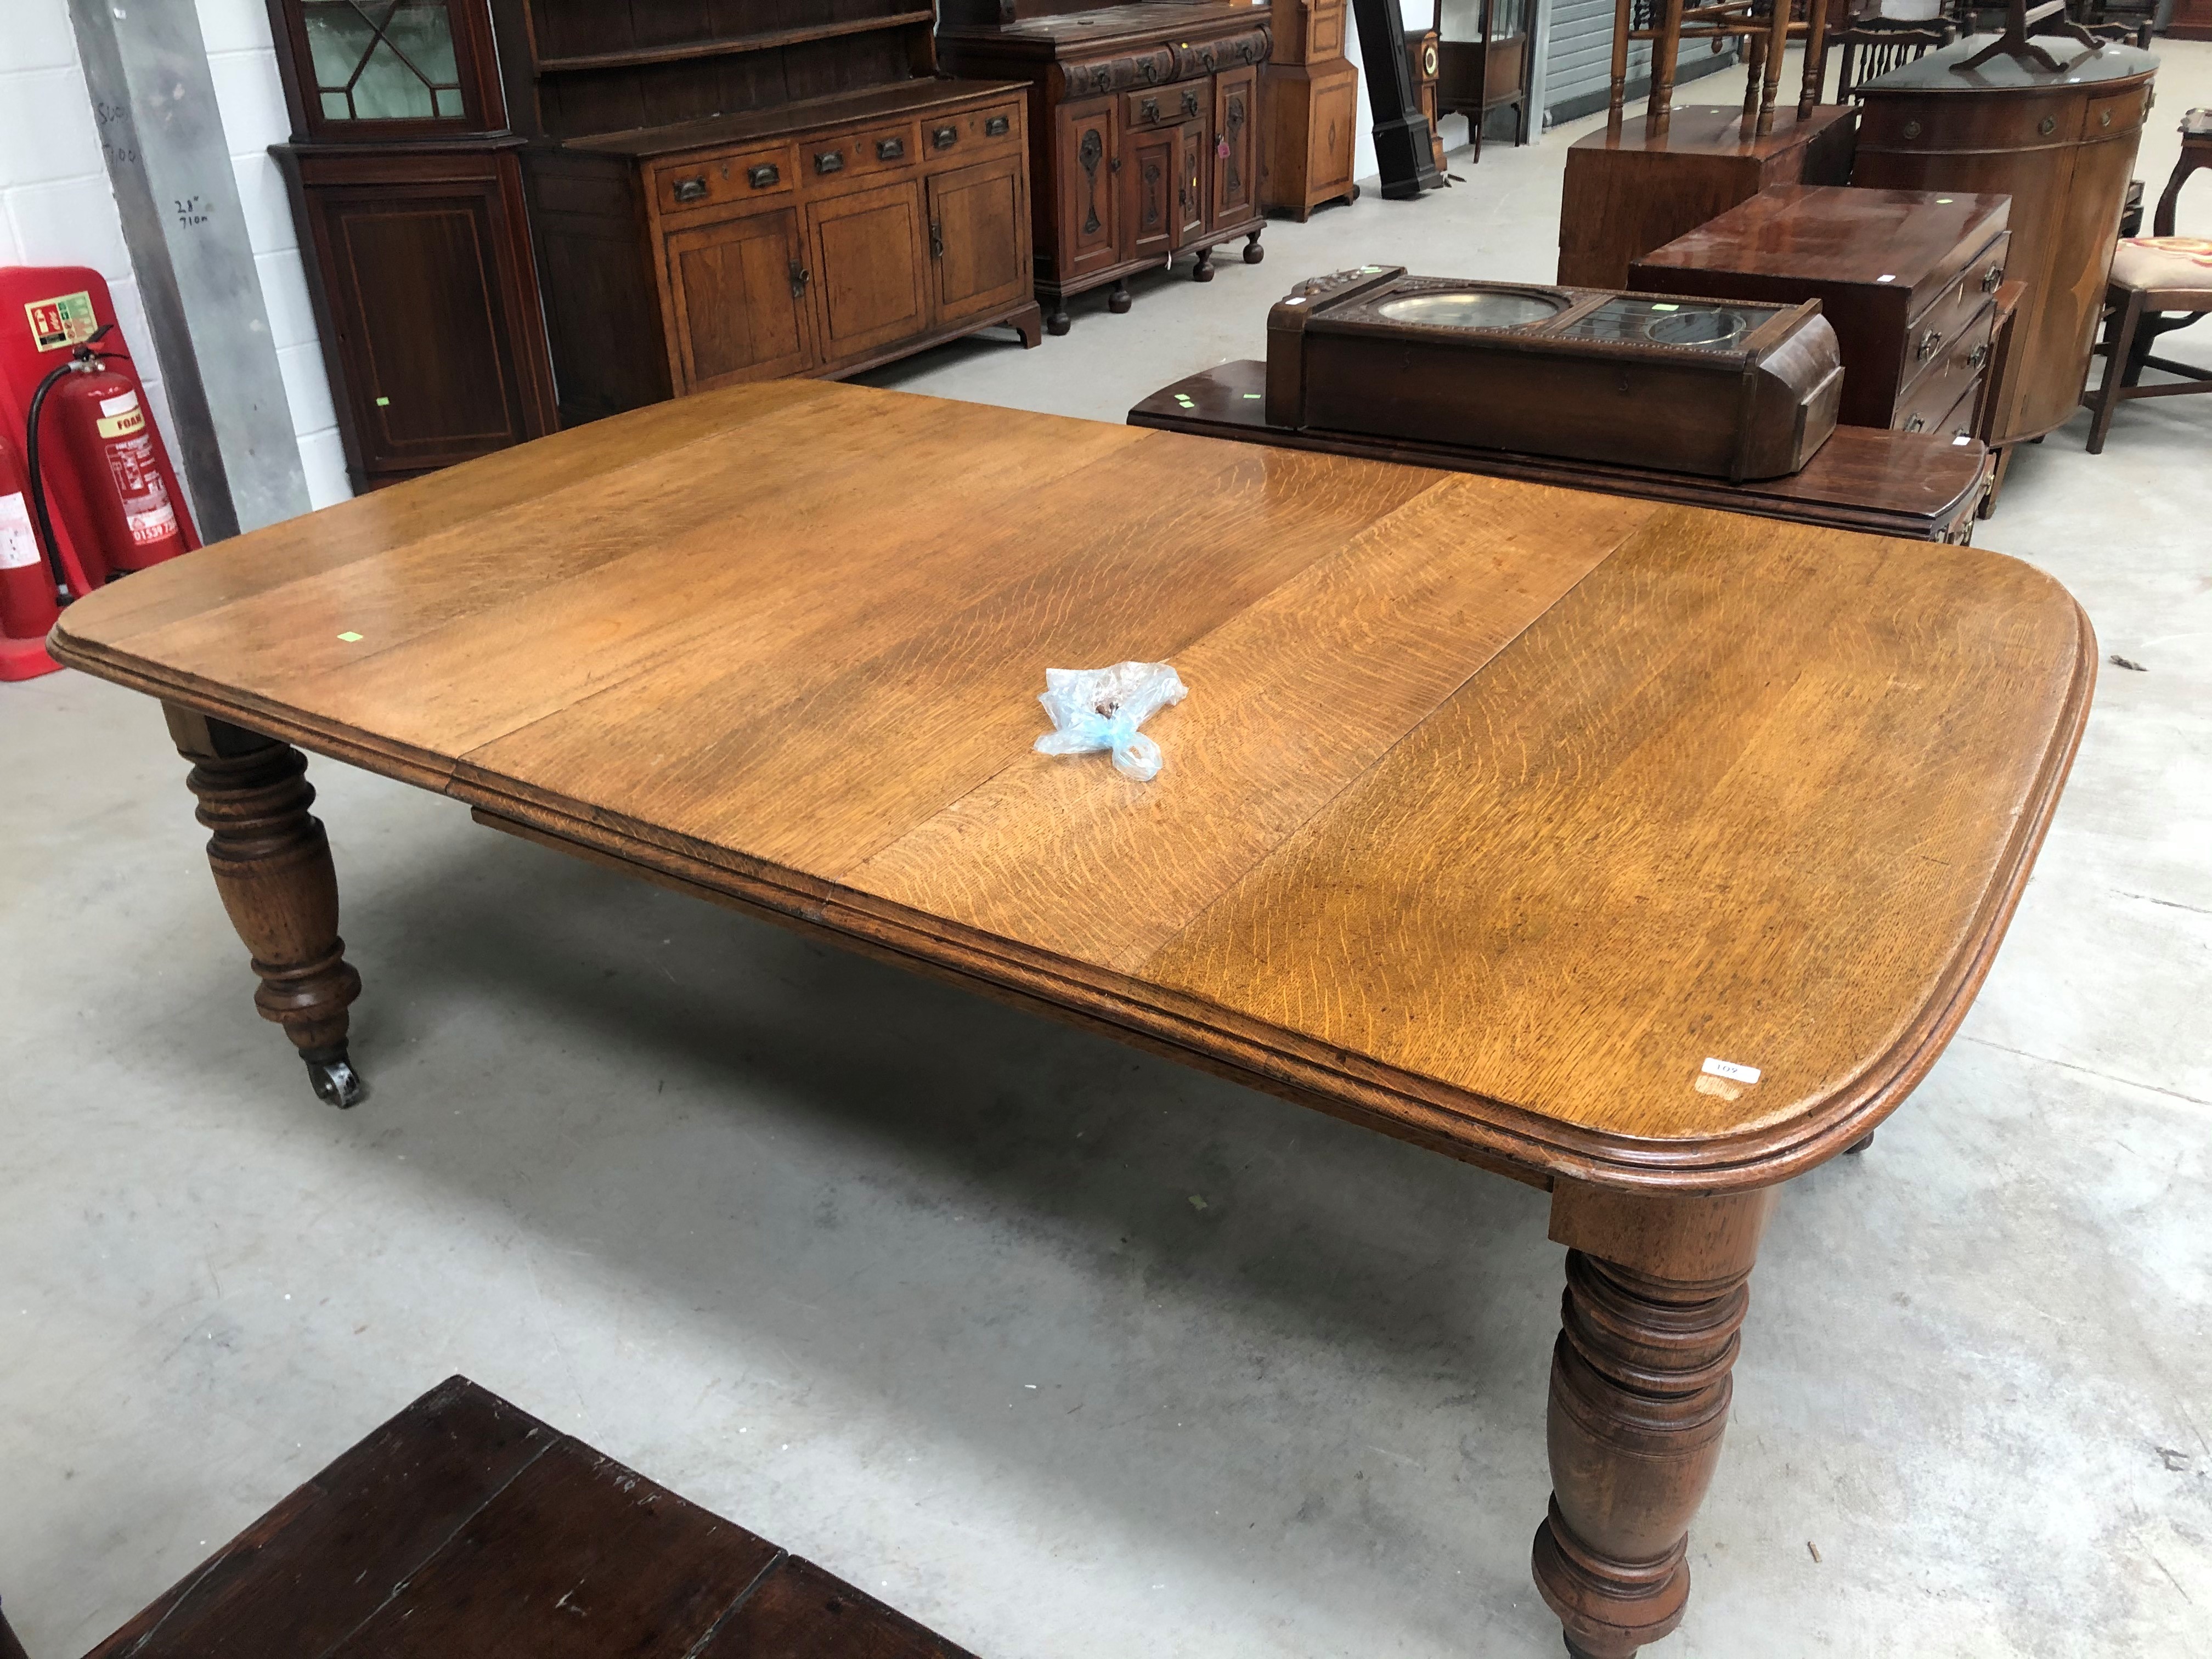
2121	339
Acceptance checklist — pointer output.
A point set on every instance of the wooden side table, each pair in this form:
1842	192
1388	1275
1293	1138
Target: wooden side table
466	1526
1630	191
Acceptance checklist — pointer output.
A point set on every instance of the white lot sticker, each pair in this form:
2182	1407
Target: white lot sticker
1730	1070
19	547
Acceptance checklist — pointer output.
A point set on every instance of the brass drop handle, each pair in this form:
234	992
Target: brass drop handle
762	177
997	127
1929	341
691	190
936	239
1978	356
830	160
945	137
1991	278
1149	109
890	149
801	275
1189	102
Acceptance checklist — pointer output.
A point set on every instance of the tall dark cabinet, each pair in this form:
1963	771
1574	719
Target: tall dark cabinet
408	191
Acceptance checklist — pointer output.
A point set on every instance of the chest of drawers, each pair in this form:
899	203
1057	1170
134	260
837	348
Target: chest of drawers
1906	278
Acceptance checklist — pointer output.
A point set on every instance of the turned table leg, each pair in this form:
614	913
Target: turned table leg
272	867
1656	1291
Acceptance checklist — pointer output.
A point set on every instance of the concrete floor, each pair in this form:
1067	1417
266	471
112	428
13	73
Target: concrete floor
1068	1351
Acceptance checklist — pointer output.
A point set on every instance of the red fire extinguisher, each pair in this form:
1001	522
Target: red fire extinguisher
27	607
98	413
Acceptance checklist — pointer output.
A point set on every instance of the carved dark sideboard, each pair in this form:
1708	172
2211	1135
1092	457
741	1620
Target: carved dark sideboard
1144	131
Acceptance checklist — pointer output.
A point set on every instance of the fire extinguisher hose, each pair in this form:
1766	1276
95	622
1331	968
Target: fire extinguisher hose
82	355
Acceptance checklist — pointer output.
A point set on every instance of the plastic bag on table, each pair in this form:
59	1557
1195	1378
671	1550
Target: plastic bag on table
1102	707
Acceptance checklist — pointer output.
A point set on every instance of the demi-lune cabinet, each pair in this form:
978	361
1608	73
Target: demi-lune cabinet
409	196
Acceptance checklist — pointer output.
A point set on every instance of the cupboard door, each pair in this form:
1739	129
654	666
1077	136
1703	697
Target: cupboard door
869	254
1236	170
1329	141
1154	157
428	372
737	294
1087	154
975	242
1192	147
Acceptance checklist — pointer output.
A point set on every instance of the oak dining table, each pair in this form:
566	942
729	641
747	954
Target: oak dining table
1644	853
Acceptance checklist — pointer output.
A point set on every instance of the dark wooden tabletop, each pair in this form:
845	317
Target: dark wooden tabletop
465	1528
1894	483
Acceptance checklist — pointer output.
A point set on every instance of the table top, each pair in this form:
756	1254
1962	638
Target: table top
1839	235
1915	484
2078	66
1717	129
466	1526
1494	813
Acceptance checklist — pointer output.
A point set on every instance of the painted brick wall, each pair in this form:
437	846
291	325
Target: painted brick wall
249	94
56	207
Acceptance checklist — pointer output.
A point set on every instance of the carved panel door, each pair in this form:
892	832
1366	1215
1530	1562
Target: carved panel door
1088	155
1235	161
1194	154
1155	154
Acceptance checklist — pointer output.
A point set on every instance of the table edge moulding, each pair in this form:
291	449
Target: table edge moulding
1698	781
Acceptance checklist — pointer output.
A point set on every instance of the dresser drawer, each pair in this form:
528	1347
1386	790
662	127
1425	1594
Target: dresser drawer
969	134
1945	122
1953	310
2116	115
714	180
1163	106
828	158
1953	369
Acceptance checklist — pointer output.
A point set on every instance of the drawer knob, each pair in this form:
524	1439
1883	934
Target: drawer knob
2047	125
945	137
691	190
1149	109
1189	102
830	160
890	149
1912	129
1928	342
762	177
1978	356
998	126
1993	278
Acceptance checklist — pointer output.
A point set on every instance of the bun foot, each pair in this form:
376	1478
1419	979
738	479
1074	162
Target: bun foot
1057	321
1253	251
1859	1144
335	1081
1118	301
1203	271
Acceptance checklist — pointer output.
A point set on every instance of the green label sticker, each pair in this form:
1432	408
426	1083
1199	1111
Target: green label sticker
351	637
384	402
1657	306
1252	397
